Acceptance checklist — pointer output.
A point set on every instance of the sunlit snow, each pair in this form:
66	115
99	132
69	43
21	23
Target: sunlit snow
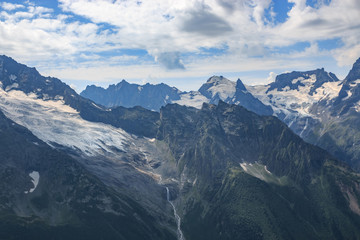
192	99
35	177
261	172
354	83
14	85
357	106
56	123
297	100
223	87
12	77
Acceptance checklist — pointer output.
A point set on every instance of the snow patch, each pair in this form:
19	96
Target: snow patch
261	172
298	100
349	93
45	97
305	127
96	106
12	77
243	166
329	90
192	99
14	85
140	88
357	106
294	81
58	97
287	88
35	177
267	170
355	83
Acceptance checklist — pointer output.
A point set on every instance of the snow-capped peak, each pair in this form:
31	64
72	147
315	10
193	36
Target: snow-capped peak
218	85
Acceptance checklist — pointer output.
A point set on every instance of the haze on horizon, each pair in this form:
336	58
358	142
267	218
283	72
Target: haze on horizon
180	43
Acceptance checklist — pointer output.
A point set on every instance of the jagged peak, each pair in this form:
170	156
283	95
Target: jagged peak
240	85
218	86
354	73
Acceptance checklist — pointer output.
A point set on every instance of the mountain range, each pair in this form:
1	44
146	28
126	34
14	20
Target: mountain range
228	168
153	97
315	104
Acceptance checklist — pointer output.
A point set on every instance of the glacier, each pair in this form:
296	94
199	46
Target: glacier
58	124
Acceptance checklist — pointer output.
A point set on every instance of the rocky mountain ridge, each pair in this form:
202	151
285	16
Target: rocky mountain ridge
315	104
153	97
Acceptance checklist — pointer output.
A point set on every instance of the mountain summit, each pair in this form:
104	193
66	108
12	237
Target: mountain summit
218	88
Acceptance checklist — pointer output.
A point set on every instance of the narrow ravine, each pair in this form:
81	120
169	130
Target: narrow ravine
177	217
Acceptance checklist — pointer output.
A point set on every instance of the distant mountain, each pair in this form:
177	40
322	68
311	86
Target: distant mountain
339	132
220	88
15	76
153	97
294	80
292	96
320	108
124	94
249	177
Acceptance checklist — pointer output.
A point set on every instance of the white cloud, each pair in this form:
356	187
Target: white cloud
174	32
259	9
10	6
170	60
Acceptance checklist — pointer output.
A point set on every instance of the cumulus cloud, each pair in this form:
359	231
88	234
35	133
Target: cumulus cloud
170	60
10	6
204	22
259	8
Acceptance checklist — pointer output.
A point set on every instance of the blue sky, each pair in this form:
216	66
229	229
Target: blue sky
181	43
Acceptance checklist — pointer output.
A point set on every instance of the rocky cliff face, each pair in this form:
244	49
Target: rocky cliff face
246	176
